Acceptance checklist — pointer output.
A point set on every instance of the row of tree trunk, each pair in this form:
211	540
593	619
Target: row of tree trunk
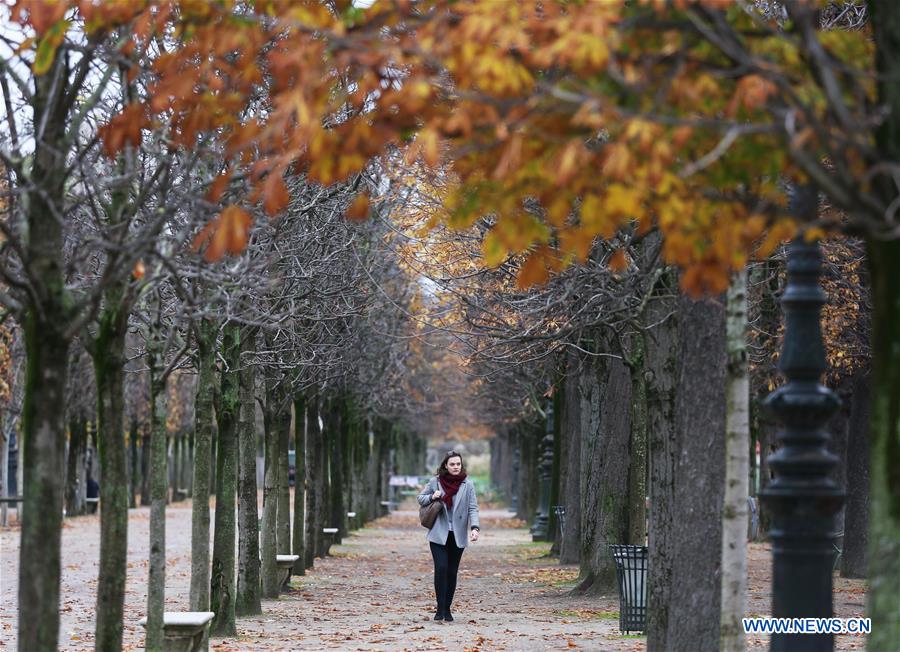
641	421
81	464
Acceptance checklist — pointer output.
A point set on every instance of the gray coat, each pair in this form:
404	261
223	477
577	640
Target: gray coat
465	514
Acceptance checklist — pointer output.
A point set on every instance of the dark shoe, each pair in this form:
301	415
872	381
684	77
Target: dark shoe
438	615
448	616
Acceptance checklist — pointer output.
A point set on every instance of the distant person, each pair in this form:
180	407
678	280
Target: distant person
448	535
93	491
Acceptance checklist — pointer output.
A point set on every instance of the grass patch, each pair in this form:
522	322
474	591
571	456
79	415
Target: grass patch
555	576
588	614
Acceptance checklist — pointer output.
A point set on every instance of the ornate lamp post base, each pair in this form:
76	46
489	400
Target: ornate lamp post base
802	497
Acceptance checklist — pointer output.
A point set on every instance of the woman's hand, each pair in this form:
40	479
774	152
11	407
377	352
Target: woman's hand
473	535
436	495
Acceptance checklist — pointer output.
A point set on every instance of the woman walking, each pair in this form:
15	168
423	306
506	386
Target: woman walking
455	524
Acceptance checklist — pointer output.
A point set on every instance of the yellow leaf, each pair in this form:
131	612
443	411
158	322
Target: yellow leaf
493	250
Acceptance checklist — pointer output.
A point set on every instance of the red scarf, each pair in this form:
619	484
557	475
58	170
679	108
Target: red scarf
450	484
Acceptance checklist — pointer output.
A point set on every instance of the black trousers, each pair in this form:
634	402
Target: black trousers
446	566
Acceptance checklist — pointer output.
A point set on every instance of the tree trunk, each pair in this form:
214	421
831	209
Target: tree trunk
270	584
299	541
685	549
570	550
313	473
203	428
248	582
660	362
43	437
737	450
109	363
335	440
283	521
47	350
134	478
156	583
884	438
145	470
637	446
223	585
75	463
884	443
553	531
854	557
604	469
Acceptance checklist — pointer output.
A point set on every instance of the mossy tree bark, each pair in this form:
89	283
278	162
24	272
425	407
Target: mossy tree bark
660	363
156	583
884	271
684	592
75	467
334	446
47	350
134	476
556	473
282	464
314	471
884	442
43	442
570	425
206	333
854	557
108	351
248	582
269	528
604	464
298	539
637	445
223	584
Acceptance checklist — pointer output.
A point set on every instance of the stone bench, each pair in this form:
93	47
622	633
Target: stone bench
92	504
184	631
329	533
389	504
285	566
10	500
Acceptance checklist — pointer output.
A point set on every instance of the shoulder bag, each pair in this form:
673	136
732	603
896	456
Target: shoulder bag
428	513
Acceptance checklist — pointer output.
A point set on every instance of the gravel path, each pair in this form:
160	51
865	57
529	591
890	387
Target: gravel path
374	593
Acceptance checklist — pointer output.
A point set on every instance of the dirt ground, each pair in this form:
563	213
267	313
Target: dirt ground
375	593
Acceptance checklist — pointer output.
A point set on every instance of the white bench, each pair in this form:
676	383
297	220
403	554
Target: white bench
184	631
285	565
10	500
352	517
329	533
92	504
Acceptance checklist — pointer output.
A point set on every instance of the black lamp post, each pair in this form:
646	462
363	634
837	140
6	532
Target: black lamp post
540	529
802	497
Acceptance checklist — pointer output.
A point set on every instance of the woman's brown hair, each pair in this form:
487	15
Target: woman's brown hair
442	469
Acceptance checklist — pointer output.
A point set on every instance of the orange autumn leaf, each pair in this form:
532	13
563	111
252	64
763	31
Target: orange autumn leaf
228	233
618	262
124	129
275	194
218	186
533	272
359	208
